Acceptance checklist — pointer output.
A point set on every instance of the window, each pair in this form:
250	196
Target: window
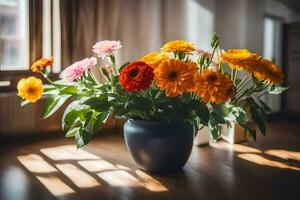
272	39
272	50
14	34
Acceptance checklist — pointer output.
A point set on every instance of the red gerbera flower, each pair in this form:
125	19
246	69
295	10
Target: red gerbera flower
136	76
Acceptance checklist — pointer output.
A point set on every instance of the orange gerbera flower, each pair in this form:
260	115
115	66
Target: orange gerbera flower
241	59
154	58
175	76
40	64
269	72
214	86
179	46
30	89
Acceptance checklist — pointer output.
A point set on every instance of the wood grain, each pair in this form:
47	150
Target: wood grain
267	169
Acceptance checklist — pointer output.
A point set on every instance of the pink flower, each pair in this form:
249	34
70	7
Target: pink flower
88	63
106	48
77	69
206	53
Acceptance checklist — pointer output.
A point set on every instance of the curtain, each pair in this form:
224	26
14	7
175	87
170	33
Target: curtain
141	25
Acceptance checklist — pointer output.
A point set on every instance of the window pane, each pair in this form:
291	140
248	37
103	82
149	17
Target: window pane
14	29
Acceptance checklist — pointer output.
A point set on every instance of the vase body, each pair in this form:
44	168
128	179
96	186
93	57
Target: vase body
159	146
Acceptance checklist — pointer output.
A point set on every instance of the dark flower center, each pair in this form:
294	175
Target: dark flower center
133	73
212	78
173	75
31	90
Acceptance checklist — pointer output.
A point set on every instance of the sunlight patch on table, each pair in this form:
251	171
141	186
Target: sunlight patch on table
36	164
55	186
119	178
235	147
68	152
284	154
150	183
123	167
96	165
258	159
80	178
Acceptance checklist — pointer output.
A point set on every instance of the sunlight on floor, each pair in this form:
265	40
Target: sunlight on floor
80	178
235	147
68	152
36	164
56	186
150	183
284	154
119	178
260	160
257	156
87	172
96	165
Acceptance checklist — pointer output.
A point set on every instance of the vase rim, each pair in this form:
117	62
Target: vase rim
152	121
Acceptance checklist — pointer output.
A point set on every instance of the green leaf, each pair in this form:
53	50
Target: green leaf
216	119
139	106
276	89
24	102
249	129
215	131
75	111
71	89
82	138
50	90
264	105
60	84
201	111
221	109
53	103
259	117
240	115
96	120
72	132
99	104
166	113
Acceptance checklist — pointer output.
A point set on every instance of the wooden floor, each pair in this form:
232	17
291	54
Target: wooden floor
53	169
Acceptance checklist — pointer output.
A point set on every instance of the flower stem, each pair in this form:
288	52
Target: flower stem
245	76
239	89
113	61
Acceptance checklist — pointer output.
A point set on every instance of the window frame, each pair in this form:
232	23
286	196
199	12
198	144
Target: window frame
35	46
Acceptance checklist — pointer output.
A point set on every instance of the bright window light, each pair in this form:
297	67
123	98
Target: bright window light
80	178
35	163
14	35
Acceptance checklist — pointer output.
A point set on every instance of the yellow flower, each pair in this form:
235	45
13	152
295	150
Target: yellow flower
30	89
175	76
40	64
241	59
179	46
269	72
261	68
154	58
214	86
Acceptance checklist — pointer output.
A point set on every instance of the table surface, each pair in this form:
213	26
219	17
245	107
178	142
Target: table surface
54	169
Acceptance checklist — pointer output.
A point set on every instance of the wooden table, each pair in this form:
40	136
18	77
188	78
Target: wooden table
53	169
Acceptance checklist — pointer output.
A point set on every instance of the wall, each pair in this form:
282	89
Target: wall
145	25
239	24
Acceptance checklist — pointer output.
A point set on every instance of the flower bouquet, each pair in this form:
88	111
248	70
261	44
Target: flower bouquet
165	95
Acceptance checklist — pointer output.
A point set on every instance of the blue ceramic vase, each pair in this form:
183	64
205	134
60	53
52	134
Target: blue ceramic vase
159	146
